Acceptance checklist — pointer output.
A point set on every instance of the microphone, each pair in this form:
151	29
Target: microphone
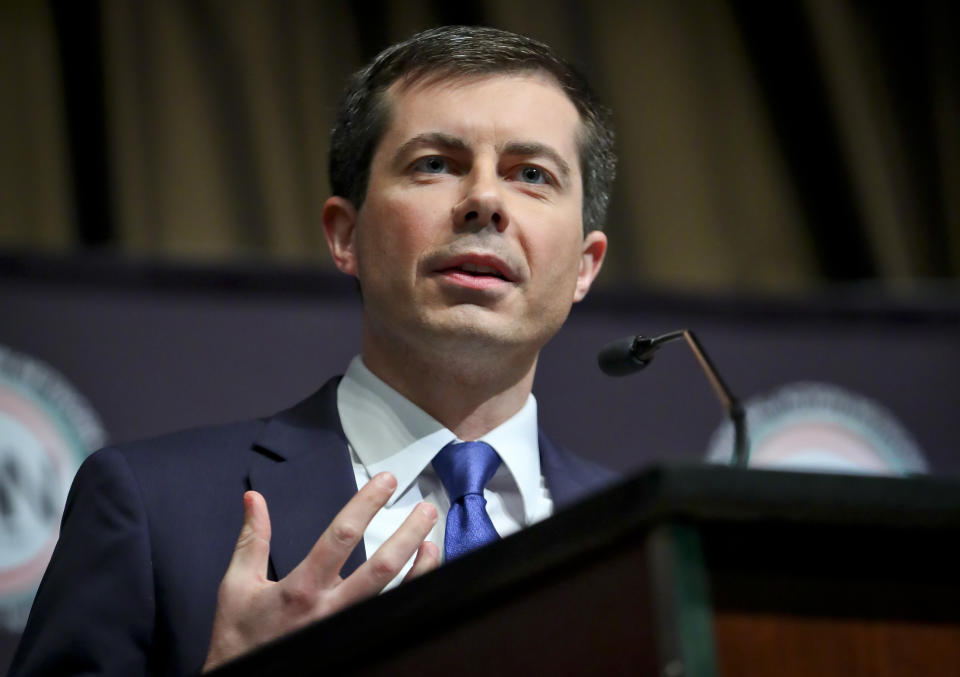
633	353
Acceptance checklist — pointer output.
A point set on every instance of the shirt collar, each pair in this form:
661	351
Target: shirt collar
388	432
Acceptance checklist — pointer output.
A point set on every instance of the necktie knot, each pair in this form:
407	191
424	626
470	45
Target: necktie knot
466	467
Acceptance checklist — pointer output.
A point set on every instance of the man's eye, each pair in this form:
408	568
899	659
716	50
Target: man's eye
533	175
432	164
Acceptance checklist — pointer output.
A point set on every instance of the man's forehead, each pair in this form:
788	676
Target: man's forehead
422	91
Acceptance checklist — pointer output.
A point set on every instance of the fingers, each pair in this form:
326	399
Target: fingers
428	559
387	562
252	553
246	574
251	610
328	554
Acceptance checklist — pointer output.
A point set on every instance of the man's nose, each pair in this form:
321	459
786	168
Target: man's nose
482	204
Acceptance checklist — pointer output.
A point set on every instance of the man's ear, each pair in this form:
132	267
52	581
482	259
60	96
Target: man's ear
339	226
591	259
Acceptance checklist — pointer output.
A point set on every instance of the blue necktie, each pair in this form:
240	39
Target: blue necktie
465	468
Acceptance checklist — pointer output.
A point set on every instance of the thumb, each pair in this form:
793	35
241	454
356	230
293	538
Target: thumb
252	553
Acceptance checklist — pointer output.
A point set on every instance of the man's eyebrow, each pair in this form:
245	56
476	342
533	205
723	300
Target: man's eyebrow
430	140
535	149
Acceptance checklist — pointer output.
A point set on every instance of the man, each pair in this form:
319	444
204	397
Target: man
471	169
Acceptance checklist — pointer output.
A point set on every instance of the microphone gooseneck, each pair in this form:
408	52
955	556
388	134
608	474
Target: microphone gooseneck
632	353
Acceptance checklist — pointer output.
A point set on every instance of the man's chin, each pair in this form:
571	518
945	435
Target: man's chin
475	327
480	329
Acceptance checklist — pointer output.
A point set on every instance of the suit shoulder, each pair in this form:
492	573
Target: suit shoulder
181	455
599	475
184	444
572	477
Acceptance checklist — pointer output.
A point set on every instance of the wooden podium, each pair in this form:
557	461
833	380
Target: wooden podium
677	571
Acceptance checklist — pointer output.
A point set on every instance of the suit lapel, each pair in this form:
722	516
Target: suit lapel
301	465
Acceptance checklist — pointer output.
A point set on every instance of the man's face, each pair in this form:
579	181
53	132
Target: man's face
471	232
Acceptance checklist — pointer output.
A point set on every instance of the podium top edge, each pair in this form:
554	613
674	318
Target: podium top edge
720	493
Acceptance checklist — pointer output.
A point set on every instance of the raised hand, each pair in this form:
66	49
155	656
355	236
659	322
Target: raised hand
252	610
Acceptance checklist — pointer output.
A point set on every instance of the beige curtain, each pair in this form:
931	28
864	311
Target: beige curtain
875	143
36	207
218	113
218	123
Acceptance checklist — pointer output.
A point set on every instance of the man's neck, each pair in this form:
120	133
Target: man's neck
469	395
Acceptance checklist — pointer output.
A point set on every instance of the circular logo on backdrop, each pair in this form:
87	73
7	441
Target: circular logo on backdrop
821	427
46	429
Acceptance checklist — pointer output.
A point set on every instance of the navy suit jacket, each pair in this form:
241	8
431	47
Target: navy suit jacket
149	528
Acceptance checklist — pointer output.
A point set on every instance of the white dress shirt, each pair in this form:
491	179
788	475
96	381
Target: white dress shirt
386	431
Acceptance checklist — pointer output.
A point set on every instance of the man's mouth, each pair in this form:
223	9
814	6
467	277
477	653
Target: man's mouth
477	265
477	270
